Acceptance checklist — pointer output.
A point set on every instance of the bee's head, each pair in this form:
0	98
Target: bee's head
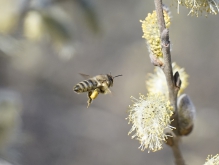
110	79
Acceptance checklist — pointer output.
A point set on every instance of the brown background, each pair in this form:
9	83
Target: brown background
59	127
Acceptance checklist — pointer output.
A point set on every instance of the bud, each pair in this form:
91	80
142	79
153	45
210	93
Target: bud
157	81
186	114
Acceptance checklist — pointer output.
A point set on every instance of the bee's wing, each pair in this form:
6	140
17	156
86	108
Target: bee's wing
85	76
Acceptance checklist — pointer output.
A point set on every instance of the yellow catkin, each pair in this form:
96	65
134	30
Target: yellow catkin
151	32
156	82
212	160
200	6
150	116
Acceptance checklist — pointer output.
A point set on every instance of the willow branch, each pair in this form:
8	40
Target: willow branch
173	82
167	67
177	153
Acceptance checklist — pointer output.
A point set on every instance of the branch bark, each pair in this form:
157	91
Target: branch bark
177	153
172	81
167	67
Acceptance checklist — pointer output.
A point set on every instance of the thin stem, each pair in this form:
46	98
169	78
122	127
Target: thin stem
177	153
167	69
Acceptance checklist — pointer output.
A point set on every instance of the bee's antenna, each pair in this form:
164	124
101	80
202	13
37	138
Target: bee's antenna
117	76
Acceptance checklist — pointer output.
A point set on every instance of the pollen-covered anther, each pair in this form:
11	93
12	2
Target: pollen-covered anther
212	160
151	33
200	6
150	116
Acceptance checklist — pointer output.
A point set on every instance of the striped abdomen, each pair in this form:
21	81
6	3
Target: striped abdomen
85	86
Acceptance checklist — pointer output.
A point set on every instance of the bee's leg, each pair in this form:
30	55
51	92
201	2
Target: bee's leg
92	95
107	91
89	101
95	93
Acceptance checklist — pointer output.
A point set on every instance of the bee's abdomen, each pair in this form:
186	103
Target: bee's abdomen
77	88
85	86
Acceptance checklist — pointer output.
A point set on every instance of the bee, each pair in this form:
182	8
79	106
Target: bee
95	85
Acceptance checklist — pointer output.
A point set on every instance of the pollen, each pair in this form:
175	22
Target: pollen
95	94
212	160
200	6
151	32
157	81
150	116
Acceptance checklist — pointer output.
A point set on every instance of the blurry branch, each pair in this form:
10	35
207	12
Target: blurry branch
53	23
58	27
173	82
90	14
88	10
45	20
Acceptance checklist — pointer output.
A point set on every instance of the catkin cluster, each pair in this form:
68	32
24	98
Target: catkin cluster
150	116
200	6
157	82
212	160
151	32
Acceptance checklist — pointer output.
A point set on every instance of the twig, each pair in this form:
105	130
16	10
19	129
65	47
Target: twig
173	82
167	67
177	153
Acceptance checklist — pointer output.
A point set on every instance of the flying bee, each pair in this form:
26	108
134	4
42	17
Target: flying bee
95	85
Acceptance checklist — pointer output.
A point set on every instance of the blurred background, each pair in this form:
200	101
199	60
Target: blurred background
44	44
